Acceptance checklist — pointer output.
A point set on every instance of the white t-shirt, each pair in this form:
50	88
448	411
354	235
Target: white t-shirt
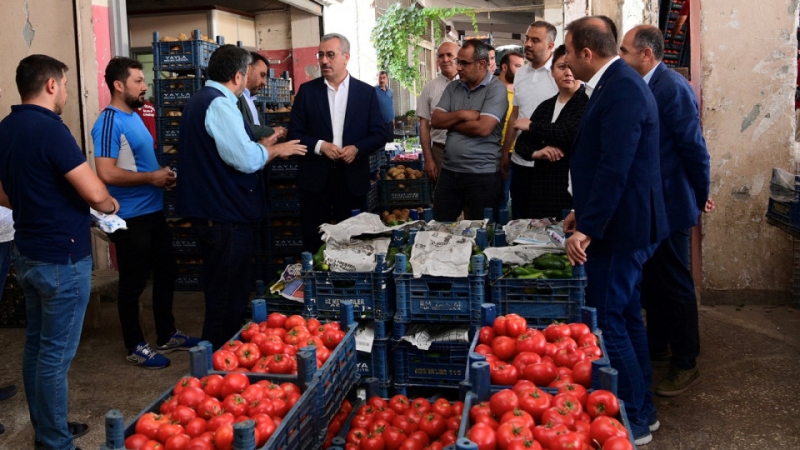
6	225
531	88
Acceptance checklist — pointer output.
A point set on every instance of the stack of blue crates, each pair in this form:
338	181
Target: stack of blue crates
186	61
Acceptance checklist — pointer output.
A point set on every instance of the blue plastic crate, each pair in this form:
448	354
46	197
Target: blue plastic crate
295	431
442	365
284	239
169	204
167	129
430	298
541	301
282	169
175	92
377	363
373	197
182	55
405	192
372	293
184	240
189	277
376	161
167	159
482	392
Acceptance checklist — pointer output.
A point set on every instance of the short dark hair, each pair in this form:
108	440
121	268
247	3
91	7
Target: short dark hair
258	57
480	50
33	73
383	72
650	37
598	39
226	61
507	56
611	25
119	69
560	51
490	47
551	30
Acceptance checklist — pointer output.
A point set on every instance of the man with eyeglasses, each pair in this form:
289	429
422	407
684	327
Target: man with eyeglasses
339	117
432	140
533	84
473	111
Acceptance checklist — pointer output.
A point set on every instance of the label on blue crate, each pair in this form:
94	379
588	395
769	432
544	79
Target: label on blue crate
405	196
444	306
333	303
438	371
289	242
176	95
176	58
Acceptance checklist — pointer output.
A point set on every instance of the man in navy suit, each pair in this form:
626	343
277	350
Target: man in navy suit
339	117
619	207
667	286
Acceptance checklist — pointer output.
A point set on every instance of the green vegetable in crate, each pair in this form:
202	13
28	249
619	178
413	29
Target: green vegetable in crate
319	257
557	274
550	261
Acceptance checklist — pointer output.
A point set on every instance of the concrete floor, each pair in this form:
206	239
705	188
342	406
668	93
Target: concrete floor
748	396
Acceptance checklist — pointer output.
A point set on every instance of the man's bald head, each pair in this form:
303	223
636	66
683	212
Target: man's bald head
593	33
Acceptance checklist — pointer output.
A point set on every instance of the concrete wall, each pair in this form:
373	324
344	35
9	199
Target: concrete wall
748	78
355	19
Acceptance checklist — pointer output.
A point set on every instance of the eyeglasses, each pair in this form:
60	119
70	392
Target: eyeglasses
460	62
330	55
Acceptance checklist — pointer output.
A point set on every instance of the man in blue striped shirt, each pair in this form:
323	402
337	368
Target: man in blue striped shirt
126	162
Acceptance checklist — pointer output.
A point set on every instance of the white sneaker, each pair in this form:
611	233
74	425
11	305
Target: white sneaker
655	426
644	440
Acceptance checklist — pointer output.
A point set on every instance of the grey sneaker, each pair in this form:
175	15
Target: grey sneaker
144	356
178	341
677	381
643	440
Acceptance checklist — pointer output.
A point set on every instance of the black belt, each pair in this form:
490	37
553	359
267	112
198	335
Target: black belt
438	145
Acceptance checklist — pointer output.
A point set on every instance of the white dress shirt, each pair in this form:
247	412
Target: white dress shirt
592	83
337	102
531	88
252	106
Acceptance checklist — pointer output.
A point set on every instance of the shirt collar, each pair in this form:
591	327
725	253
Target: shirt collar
592	83
649	75
484	82
345	83
447	79
220	87
36	108
546	67
246	93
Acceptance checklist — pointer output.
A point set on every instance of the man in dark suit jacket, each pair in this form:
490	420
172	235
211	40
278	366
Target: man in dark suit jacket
255	81
340	119
667	285
619	207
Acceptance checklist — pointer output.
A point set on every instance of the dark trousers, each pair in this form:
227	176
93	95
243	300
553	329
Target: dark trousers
613	291
334	203
468	192
227	249
669	298
146	245
390	131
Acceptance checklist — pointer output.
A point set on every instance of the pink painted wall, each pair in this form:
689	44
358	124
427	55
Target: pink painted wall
304	64
279	55
102	35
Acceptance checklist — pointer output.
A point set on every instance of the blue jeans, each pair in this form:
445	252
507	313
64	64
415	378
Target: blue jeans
613	289
669	299
227	250
5	265
56	296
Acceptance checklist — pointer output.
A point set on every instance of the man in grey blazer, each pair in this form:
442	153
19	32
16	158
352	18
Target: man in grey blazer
256	80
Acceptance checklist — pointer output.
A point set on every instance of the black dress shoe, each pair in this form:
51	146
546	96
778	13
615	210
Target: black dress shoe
8	392
76	429
2	429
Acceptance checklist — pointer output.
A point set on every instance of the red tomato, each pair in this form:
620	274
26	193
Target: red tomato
454	423
212	384
393	437
443	407
276	320
362	421
421	405
247	355
209	407
592	350
555	331
568	402
587	339
500	326
378	425
512	431
485	335
294	321
487	419
281	364
541	374
449	437
433	424
136	441
567	441
504	347
182	414
535	402
199	443
568	357
314	326
224	360
152	444
372	442
522	386
582	373
618	443
355	435
531	341
223	437
411	444
399	403
234	383
561	380
515	325
296	335
177	442
216	422
235	404
168	406
148	424
406	424
185	382
253	393
480	409
525	445
577	329
604	427
280	407
565	342
503	401
279	332
503	374
558	415
167	430
483	436
420	436
196	427
265	426
386	414
578	391
232	346
272	345
546	432
248	331
602	403
483	349
520	415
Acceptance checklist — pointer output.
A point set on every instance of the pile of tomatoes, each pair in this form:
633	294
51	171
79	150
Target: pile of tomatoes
271	346
560	354
399	424
201	413
526	417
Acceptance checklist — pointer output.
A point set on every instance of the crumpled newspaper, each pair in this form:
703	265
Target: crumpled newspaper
362	224
520	254
544	232
423	335
468	228
107	222
355	255
441	254
290	284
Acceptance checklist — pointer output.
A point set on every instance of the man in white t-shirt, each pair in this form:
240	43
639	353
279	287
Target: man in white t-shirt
533	84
